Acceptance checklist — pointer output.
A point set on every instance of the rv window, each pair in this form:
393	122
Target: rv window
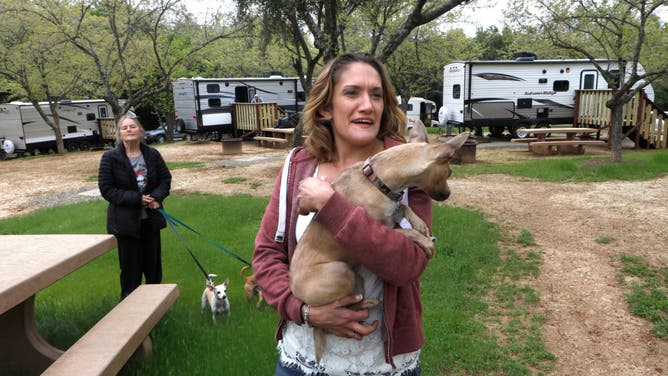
456	91
103	111
409	107
213	88
214	102
524	102
589	81
90	116
560	85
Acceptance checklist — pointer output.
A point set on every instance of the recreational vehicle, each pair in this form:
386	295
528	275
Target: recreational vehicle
22	129
422	109
518	94
204	106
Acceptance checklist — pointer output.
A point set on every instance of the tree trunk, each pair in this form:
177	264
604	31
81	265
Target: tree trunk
615	138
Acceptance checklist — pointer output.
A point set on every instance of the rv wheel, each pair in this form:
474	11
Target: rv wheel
84	146
180	125
43	151
521	132
72	146
160	139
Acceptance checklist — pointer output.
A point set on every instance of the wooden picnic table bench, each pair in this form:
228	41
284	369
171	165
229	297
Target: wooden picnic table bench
274	137
541	144
108	345
31	263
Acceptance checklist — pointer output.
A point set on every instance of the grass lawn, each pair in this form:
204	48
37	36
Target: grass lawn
458	296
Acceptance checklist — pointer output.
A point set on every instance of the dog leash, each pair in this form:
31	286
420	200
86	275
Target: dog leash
178	235
172	220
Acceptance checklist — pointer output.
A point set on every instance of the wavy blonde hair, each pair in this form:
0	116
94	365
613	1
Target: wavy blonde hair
320	141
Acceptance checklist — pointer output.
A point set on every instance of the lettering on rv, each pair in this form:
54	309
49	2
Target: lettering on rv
4	110
544	92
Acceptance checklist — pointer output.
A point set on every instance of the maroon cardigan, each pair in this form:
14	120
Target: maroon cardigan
390	255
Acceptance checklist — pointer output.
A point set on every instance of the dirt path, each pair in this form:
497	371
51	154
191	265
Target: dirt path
588	326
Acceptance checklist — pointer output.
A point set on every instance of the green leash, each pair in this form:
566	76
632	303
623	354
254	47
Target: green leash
173	221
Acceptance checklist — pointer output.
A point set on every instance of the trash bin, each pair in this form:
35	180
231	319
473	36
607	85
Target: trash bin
231	145
465	154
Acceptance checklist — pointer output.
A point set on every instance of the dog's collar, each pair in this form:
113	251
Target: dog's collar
367	170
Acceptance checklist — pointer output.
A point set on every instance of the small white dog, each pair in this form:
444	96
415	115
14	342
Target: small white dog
217	298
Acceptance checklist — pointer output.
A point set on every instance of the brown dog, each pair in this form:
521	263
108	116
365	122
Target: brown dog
321	271
251	287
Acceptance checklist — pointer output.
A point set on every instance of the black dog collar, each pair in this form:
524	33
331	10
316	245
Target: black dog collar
367	170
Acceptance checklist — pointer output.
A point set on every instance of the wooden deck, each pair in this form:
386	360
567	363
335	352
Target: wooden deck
642	118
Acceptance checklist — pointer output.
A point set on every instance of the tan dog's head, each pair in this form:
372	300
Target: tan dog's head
435	178
418	163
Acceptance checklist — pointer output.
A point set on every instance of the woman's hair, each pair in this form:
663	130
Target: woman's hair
320	141
129	115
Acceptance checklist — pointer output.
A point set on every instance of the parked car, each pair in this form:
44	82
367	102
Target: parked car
159	135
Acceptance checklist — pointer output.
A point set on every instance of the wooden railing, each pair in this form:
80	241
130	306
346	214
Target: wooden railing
108	129
249	117
647	120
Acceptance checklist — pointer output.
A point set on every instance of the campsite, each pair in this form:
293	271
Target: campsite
588	326
550	252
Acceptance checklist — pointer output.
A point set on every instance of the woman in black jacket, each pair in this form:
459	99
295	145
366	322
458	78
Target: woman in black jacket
135	180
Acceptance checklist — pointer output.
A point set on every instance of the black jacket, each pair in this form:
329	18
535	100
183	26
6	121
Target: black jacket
118	185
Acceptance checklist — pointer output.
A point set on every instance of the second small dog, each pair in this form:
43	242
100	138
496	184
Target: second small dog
216	296
250	287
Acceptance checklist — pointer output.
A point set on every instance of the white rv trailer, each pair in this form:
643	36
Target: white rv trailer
204	105
24	130
422	109
518	94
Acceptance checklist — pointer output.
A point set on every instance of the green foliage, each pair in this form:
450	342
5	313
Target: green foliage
456	289
638	165
525	238
605	240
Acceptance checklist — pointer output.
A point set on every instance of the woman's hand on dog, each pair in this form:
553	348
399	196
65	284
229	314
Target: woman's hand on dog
313	194
335	318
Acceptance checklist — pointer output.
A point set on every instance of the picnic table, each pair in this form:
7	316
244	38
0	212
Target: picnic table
31	263
275	137
543	145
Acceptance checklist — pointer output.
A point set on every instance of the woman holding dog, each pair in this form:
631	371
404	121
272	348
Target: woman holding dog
351	114
135	180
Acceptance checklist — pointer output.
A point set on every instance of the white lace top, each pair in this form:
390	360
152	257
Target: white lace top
343	356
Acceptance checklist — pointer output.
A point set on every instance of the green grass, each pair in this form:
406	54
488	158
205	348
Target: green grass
190	165
234	180
648	289
460	293
604	240
636	165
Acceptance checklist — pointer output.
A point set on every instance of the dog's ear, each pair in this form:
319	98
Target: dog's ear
418	132
447	150
227	282
459	140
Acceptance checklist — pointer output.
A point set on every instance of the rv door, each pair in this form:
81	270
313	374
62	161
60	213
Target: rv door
454	79
589	79
243	94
